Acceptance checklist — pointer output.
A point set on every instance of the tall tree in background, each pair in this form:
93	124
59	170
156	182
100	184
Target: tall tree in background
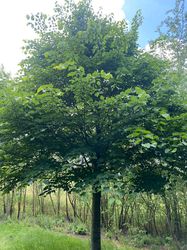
89	106
173	35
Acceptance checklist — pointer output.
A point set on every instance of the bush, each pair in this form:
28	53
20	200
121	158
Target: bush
46	222
142	240
78	228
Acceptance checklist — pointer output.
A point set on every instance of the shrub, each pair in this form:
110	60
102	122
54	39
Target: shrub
78	228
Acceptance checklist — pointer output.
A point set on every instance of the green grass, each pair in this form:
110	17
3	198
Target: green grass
14	236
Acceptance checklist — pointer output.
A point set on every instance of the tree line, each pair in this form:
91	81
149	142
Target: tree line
159	215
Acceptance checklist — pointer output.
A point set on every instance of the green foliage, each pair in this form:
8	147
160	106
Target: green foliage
138	238
66	116
78	228
143	240
90	108
45	222
95	106
4	76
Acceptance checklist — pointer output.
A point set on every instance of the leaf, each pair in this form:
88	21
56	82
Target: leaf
111	201
43	88
139	91
166	116
174	150
138	141
146	145
60	66
167	150
63	66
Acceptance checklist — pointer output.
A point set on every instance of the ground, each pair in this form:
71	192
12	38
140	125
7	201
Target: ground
18	236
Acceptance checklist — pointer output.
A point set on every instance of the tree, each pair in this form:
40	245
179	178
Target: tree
89	107
172	39
172	45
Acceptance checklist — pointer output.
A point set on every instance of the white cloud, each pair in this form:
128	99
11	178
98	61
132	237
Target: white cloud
109	6
13	24
161	51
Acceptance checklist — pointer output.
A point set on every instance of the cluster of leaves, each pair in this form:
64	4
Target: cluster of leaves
91	106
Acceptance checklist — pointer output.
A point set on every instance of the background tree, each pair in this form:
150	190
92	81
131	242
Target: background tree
172	39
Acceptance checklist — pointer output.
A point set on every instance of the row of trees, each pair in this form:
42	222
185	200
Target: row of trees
90	109
121	212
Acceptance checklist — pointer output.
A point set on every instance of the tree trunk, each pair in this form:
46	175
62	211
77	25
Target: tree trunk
67	208
72	202
96	221
24	202
177	229
52	202
33	199
19	204
4	204
12	204
58	202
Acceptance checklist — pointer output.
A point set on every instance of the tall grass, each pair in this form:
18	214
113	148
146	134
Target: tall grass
14	236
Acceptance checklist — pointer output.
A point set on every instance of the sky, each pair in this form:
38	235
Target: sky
13	28
153	11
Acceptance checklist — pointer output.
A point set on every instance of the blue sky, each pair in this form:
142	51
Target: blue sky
153	12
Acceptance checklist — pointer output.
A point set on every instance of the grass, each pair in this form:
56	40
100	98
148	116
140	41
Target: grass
17	236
